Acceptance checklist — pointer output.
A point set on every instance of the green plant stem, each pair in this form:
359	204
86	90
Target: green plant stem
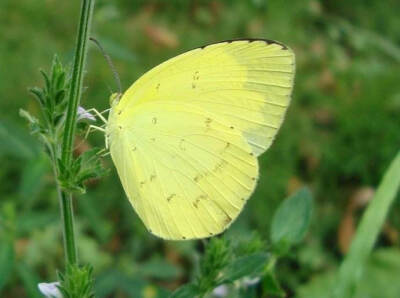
75	91
76	80
371	224
67	216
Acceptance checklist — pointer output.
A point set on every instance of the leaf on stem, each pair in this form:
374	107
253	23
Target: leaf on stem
290	222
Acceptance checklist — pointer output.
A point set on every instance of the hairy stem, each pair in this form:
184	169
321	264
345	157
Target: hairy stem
75	91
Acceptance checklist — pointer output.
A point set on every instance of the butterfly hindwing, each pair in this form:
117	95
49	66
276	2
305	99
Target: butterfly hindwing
187	172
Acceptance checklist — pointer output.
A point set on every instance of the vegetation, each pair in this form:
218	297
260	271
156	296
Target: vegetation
337	146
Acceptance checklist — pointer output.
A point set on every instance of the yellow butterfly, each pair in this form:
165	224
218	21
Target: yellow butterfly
185	137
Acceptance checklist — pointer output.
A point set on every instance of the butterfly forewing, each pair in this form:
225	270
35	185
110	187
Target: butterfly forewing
249	82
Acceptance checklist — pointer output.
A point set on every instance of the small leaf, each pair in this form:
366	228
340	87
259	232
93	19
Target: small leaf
244	266
291	220
46	79
271	286
77	282
39	94
186	291
60	83
27	116
59	96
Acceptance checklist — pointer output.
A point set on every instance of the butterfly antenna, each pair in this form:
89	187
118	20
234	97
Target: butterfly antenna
109	61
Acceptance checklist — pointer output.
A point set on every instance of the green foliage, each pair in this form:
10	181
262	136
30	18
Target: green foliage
7	260
50	130
291	221
53	101
221	265
367	232
378	280
77	282
86	166
30	280
271	285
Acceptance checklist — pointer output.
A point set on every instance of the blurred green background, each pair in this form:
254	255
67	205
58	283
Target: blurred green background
341	132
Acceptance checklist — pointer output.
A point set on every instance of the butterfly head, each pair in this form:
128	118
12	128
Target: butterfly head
114	99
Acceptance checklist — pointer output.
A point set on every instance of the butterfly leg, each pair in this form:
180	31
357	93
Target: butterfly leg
99	114
98	128
103	152
94	127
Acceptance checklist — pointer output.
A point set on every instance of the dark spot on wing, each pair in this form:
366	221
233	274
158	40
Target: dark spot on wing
170	197
181	145
228	219
196	76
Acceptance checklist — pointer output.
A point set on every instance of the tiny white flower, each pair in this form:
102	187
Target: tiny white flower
221	291
50	290
83	114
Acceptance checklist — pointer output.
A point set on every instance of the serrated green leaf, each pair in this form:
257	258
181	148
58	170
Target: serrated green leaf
186	291
39	95
290	222
77	282
46	80
59	96
244	266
